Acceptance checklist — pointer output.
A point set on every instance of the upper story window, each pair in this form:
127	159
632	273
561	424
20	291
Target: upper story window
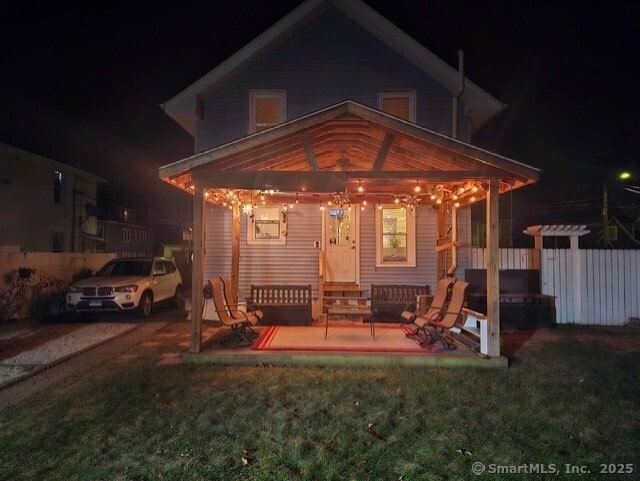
266	109
399	103
57	186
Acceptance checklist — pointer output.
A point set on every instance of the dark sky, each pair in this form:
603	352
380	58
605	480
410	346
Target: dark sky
83	84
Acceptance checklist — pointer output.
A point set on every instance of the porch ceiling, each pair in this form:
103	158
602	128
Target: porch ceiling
340	149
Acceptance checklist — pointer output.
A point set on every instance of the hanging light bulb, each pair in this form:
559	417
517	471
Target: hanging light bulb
360	188
297	200
417	187
321	206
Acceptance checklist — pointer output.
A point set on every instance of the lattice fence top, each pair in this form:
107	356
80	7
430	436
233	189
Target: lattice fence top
557	230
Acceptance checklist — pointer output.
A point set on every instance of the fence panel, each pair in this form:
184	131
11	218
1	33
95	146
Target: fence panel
597	287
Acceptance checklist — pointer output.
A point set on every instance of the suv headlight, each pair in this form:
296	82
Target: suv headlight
132	288
75	289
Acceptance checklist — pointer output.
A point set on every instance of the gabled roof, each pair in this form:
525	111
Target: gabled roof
339	147
480	105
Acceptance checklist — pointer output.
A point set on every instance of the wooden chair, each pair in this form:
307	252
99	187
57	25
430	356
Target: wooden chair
240	322
419	316
435	328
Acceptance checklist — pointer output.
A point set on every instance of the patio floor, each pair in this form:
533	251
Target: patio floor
213	352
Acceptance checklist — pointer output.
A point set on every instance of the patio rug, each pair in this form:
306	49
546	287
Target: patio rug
340	338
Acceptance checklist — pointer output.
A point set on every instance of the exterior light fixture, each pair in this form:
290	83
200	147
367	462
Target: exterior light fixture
624	176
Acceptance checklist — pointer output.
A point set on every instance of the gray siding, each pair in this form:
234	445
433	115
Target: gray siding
330	60
296	262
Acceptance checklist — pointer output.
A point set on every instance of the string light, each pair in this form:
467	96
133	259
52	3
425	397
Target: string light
417	187
360	188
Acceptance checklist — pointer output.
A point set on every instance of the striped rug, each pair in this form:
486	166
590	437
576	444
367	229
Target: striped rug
389	338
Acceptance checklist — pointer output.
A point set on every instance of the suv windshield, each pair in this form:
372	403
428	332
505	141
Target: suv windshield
126	268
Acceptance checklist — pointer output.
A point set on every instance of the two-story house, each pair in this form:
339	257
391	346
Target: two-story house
48	206
336	148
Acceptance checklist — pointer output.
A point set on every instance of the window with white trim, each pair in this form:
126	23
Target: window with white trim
399	103
267	225
395	237
266	109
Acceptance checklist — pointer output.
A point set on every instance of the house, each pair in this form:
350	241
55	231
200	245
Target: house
49	206
335	148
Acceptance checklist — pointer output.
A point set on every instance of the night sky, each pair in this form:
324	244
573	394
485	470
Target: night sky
83	84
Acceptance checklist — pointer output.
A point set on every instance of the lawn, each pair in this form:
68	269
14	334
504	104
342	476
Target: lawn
568	402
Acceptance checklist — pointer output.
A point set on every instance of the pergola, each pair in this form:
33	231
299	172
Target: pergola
353	151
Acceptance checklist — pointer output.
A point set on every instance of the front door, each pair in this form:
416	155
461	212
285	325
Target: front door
341	243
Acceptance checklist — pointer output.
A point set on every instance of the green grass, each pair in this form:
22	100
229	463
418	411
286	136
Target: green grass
561	402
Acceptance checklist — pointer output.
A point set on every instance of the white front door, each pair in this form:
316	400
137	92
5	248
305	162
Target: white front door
341	243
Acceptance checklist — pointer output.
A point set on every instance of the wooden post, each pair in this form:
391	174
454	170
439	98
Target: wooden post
493	268
441	267
235	249
577	279
197	273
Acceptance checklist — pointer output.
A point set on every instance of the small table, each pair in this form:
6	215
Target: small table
360	311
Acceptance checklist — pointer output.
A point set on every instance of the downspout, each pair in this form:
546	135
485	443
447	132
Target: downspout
458	95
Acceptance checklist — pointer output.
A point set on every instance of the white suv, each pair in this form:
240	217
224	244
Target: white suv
132	284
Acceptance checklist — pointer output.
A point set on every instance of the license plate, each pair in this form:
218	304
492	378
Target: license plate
95	303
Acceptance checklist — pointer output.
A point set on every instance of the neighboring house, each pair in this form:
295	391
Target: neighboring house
125	231
48	206
335	148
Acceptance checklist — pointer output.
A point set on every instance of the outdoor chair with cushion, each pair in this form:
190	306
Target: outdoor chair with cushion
418	316
240	322
436	330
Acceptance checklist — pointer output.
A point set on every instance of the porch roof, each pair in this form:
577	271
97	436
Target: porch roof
344	147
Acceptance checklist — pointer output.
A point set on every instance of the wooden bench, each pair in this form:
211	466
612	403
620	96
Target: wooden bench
288	305
389	300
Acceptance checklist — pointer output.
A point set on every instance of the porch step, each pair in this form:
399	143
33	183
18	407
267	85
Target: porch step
340	300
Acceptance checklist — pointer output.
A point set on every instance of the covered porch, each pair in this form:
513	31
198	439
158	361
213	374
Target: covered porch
347	154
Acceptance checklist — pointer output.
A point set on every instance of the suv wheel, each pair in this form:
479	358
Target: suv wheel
144	308
178	300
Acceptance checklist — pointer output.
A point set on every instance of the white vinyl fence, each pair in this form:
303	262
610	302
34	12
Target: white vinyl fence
596	287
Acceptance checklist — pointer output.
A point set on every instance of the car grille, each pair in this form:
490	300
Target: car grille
99	291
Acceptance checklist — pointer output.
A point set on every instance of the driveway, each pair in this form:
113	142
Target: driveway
33	356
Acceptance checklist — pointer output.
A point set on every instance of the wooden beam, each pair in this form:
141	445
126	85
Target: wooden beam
382	153
197	272
311	157
327	181
493	268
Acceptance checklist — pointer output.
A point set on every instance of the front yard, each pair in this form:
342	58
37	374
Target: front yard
570	401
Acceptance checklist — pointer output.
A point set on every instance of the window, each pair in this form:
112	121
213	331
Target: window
395	237
57	187
126	236
267	225
399	103
266	109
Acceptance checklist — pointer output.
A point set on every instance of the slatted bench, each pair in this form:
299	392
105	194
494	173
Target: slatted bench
389	300
288	305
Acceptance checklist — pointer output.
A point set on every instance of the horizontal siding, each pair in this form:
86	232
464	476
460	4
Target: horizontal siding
295	262
217	242
306	65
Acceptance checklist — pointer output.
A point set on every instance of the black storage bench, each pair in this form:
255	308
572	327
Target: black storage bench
283	305
389	300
